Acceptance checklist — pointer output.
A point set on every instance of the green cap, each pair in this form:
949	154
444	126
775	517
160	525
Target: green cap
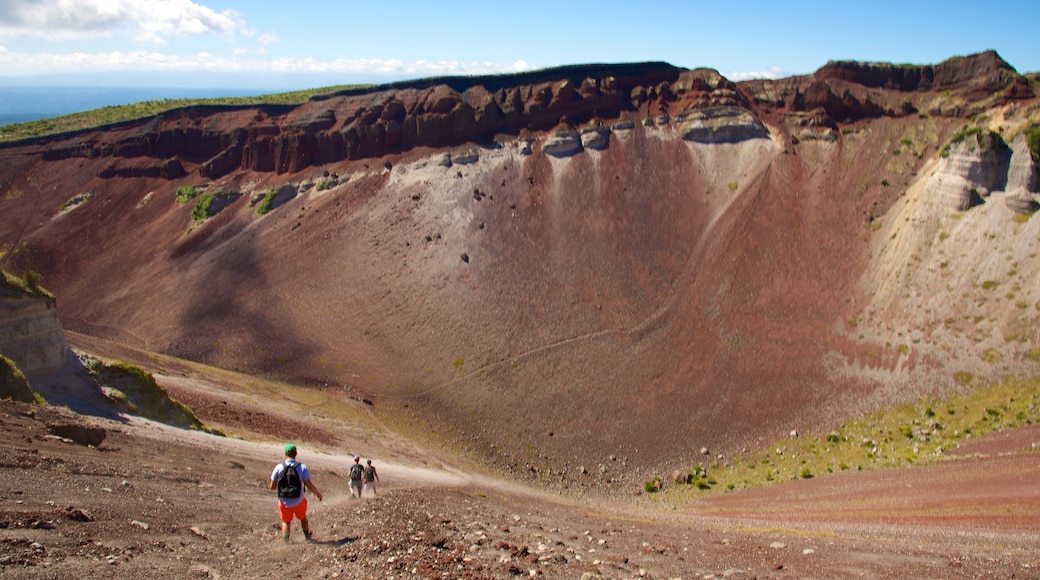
290	448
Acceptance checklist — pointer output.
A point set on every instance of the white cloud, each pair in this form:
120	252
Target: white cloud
771	72
145	20
13	63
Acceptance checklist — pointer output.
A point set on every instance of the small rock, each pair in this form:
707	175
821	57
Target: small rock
79	434
139	524
778	545
77	514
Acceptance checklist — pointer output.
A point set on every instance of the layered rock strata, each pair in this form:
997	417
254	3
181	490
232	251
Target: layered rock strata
31	334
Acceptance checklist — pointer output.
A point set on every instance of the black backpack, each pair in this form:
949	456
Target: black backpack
290	486
355	472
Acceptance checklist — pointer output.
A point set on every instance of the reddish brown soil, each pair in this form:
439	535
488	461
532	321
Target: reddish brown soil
711	291
537	316
153	500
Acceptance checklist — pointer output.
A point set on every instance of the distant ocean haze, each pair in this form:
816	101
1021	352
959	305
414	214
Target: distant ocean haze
20	104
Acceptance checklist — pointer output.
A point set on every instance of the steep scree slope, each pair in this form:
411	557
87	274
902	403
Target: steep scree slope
560	272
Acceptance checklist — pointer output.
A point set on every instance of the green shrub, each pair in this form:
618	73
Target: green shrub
1033	138
201	211
652	486
186	193
136	388
28	284
806	474
266	203
14	385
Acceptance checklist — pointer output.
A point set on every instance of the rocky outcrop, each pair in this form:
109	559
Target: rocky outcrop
985	70
1022	171
846	107
1022	179
978	163
457	111
595	138
562	143
721	125
31	334
78	433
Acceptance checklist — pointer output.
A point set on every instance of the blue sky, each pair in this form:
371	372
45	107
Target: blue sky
284	45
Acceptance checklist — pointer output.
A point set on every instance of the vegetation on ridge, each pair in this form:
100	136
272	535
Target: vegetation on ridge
912	434
135	388
28	284
14	385
1033	138
143	110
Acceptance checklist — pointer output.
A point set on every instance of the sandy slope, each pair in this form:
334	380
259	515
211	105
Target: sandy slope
187	504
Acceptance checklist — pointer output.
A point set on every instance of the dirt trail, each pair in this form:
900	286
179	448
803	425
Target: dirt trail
154	500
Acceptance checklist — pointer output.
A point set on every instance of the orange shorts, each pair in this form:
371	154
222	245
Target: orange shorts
300	511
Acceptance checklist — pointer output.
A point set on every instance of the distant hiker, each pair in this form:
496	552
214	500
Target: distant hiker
289	479
356	473
371	477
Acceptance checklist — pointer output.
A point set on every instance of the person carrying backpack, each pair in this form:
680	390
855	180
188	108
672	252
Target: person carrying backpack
371	477
289	479
356	471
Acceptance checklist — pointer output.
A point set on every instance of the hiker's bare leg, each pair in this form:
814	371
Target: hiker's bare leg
285	529
306	526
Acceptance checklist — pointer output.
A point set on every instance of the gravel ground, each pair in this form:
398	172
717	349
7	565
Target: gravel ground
155	500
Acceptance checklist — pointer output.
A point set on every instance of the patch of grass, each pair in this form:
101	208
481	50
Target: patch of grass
990	284
733	186
202	205
912	434
146	109
992	356
136	389
1033	139
14	385
266	203
186	193
963	378
28	284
